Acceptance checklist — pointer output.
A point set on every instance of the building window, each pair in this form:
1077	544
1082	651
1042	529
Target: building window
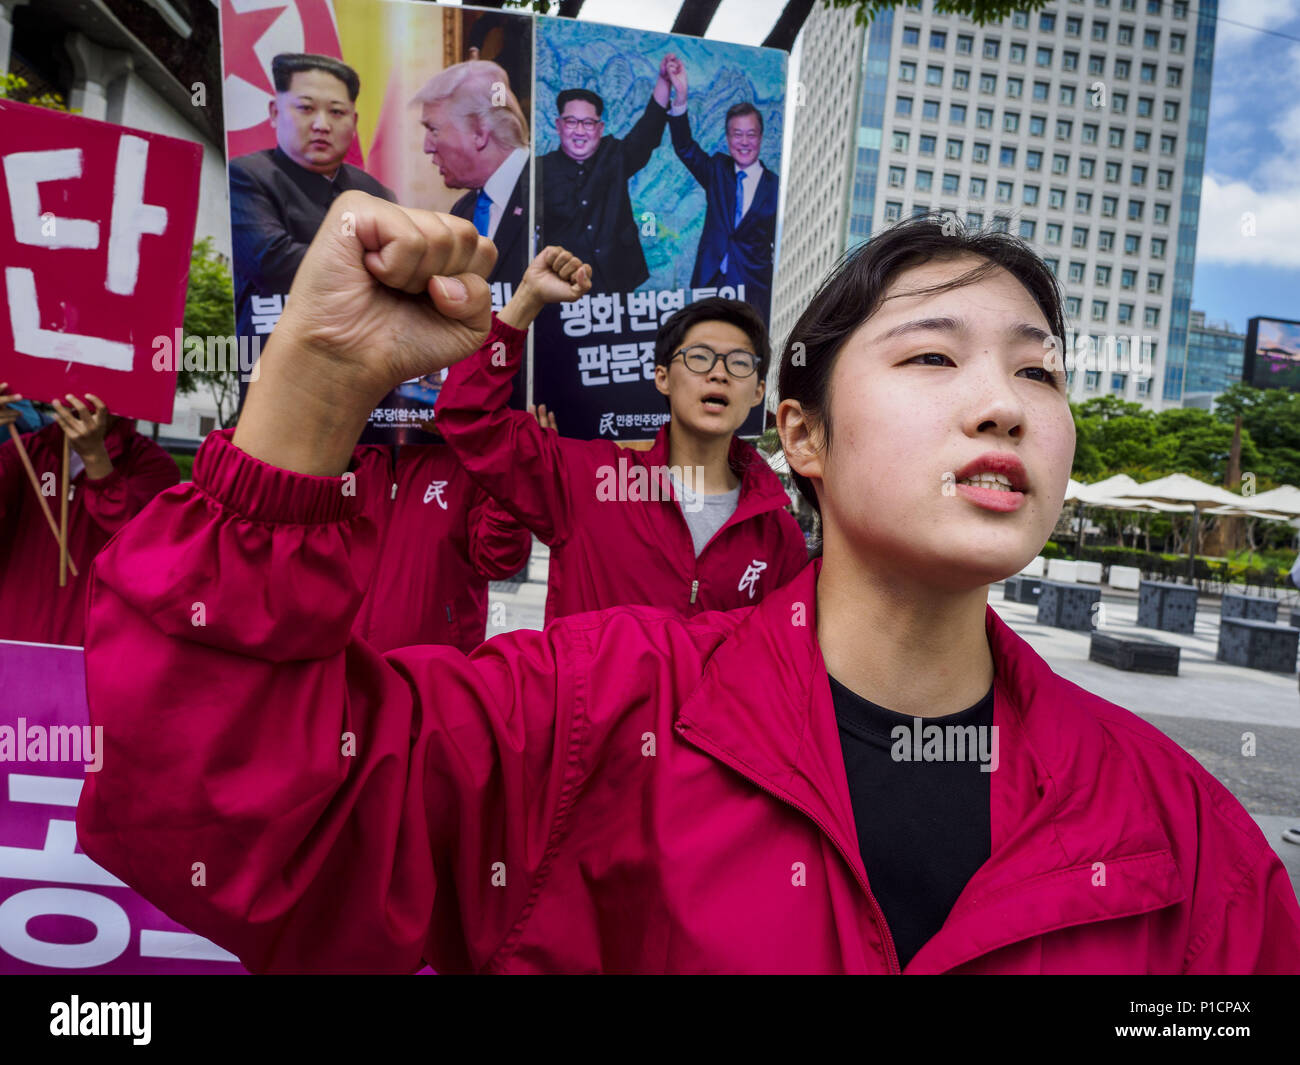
1143	387
1145	103
1069	61
1046	22
965	42
912	35
1168	144
930	110
1099	308
1122	68
903	106
920	210
1042	90
978	188
1116	137
1180	9
1060	164
1079	238
961	79
1125	316
980	153
906	71
1004	191
1100	28
1043	57
1056	199
938	40
893	211
1067	95
1135	210
897	177
1124	35
1150	38
1103	275
927	144
1164	179
1076	273
991	47
1017	52
1064	128
1105	242
1128	279
1011	121
934	75
1053	232
1090	378
1155	282
1112	170
951	182
1118	381
1119	102
1072	306
984	118
1037	125
1089	133
974	219
1157	247
1096	64
1174	77
1138	176
1148	73
900	141
1171	110
1161	214
1006	157
1083	202
957	114
1109	206
1015	88
1176	43
1151	316
1087	166
988	83
1033	160
1073	25
1020	20
1054	265
1132	244
1000	224
1141	140
954	148
924	180
1030	193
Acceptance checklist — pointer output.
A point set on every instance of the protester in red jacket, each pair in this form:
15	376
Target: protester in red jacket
630	790
619	530
439	540
114	472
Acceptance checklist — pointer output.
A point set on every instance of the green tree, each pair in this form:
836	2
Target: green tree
1272	418
210	312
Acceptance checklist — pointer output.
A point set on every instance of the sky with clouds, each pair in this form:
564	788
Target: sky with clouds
1248	246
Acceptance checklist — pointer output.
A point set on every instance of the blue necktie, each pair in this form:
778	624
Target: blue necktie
482	212
740	211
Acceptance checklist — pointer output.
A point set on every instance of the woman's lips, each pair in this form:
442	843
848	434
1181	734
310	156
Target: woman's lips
992	498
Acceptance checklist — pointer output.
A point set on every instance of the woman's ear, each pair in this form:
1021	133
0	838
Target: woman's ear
661	379
801	437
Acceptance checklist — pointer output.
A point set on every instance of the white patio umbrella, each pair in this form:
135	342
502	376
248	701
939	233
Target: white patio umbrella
1180	488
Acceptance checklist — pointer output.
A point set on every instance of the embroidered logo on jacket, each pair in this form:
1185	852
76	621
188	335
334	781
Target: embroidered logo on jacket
434	492
750	579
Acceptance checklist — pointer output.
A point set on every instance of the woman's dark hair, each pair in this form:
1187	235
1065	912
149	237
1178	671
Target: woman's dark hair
668	340
856	288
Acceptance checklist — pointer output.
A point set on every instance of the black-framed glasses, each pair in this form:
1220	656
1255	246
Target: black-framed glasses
699	358
571	123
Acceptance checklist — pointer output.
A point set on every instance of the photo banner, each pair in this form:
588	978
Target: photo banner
291	153
96	228
59	911
667	219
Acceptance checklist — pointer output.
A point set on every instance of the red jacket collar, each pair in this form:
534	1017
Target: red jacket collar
1062	798
760	488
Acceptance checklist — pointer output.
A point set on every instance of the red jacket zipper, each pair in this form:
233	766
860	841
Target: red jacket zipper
877	912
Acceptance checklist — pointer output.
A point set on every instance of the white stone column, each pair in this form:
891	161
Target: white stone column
94	68
7	31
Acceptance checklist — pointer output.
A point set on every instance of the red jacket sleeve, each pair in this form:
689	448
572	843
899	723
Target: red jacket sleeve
278	786
498	545
510	456
140	475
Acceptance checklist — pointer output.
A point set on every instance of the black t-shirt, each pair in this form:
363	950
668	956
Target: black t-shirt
923	825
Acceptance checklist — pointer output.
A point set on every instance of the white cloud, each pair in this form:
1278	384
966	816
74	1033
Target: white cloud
1230	208
1259	14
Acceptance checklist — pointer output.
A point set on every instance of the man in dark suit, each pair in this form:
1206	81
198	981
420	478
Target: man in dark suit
585	205
477	136
738	241
278	197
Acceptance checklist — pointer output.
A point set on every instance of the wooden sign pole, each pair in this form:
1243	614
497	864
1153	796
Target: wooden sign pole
36	487
63	519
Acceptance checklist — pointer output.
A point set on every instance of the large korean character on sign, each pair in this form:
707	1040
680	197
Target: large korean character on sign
96	227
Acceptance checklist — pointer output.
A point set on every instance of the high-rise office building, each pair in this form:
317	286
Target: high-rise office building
1214	360
1080	127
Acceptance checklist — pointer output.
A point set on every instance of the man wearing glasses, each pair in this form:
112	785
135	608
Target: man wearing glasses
585	204
736	246
698	522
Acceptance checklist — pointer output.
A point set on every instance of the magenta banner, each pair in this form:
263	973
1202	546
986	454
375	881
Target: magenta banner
59	911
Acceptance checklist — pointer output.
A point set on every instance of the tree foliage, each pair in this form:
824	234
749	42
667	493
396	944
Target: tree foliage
210	312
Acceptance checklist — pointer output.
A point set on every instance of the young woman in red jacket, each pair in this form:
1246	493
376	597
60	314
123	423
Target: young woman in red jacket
630	790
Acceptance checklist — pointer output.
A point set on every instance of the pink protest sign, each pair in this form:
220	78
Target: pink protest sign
96	227
59	911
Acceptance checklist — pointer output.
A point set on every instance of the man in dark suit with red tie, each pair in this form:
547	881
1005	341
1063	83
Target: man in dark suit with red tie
739	237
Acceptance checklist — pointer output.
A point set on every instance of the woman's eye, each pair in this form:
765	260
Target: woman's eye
931	355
